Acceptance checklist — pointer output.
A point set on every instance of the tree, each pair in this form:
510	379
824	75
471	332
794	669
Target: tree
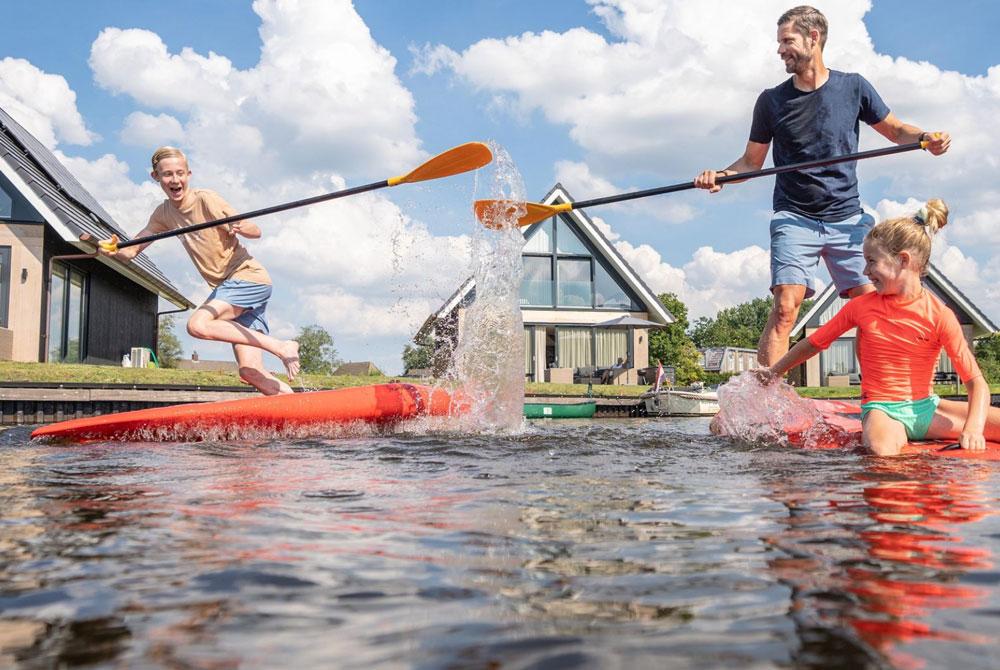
738	326
419	356
316	352
672	346
988	357
168	346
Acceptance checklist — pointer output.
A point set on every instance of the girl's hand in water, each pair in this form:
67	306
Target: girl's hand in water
766	376
972	441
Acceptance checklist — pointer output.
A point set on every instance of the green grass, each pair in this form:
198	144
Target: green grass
108	374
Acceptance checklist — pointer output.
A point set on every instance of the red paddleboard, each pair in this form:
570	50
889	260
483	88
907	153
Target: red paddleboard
295	413
845	417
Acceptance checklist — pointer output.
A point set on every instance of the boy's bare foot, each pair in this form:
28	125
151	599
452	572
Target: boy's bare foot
290	358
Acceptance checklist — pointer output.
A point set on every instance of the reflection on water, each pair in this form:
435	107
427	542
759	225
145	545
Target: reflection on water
884	558
573	544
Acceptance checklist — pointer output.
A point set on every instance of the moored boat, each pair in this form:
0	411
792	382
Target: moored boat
682	401
551	410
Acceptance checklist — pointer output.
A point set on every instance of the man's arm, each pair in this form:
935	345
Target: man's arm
898	132
752	159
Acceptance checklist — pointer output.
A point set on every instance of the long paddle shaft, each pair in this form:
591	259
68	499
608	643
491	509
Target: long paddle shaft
459	159
492	212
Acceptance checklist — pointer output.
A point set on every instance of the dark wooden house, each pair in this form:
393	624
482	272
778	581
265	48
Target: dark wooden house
55	306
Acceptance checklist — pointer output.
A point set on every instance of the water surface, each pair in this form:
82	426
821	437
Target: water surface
628	543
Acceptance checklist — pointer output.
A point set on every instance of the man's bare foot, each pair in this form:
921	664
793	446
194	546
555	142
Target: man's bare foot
290	358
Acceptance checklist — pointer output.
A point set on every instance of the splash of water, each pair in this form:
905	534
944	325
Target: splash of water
773	414
488	361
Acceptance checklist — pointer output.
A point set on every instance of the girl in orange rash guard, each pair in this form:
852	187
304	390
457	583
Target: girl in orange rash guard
901	329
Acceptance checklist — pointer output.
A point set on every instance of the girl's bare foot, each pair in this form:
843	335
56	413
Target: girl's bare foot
290	358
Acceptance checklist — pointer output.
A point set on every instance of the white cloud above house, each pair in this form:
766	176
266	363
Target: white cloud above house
43	103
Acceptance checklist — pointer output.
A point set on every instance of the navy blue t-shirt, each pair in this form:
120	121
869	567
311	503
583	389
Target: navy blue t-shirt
813	125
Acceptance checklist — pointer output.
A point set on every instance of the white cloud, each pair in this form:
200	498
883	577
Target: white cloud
324	95
43	103
710	281
584	185
147	130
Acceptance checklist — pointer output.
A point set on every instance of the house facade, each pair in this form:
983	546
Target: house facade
59	303
574	282
839	360
728	359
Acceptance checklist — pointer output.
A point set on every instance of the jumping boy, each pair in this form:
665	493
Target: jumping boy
235	309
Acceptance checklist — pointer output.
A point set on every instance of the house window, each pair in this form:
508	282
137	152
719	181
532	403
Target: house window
611	344
560	270
536	284
575	287
6	204
540	241
608	293
4	285
591	347
67	315
839	358
575	347
944	362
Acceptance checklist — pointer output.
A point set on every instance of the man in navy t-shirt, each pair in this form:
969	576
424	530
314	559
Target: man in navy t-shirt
817	213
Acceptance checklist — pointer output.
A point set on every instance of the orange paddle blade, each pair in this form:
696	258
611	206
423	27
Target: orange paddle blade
501	213
462	158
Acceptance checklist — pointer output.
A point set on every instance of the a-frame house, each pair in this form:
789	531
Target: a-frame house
573	280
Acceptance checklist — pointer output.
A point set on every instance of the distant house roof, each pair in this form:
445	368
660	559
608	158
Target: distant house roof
657	312
361	369
982	324
67	206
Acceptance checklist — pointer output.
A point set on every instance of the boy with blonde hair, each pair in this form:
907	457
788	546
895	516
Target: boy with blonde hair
235	310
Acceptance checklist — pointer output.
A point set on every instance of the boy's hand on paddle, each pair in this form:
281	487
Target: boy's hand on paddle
108	247
972	441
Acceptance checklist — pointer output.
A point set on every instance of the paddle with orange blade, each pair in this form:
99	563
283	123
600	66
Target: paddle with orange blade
457	160
497	213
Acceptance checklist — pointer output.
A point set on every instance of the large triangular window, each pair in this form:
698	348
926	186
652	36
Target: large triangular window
561	269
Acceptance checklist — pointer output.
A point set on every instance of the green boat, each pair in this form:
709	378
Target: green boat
551	410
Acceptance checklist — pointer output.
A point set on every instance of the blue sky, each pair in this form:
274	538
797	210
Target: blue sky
279	100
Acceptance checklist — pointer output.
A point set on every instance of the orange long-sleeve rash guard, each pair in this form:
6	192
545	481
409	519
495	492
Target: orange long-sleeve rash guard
899	343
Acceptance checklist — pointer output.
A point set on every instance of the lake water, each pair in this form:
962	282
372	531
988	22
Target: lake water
590	544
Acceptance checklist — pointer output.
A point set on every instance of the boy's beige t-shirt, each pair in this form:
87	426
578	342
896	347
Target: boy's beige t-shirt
216	253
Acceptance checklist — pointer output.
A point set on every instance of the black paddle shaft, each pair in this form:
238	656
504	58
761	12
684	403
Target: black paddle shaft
258	212
874	153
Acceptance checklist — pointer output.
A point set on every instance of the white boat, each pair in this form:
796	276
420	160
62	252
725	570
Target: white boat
681	401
